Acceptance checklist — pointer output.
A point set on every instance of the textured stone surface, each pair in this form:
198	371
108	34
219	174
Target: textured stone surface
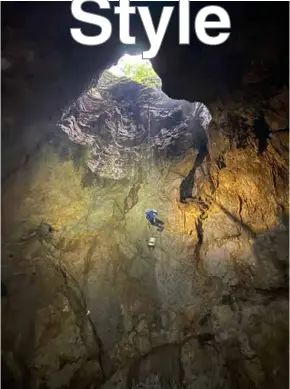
86	303
124	125
208	307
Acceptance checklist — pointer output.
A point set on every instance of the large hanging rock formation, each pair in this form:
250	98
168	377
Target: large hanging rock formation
126	125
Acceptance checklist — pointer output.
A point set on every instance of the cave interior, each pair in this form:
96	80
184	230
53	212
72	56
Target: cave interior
87	301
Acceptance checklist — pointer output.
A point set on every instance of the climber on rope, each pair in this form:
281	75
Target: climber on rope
151	216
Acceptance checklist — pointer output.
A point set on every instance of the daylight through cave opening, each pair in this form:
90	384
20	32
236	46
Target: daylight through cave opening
131	128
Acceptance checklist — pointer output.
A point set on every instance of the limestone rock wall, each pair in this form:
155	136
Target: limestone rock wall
90	305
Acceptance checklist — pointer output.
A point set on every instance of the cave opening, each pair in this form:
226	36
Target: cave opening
137	69
131	129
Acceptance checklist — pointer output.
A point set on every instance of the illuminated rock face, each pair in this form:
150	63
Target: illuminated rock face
125	124
210	301
86	302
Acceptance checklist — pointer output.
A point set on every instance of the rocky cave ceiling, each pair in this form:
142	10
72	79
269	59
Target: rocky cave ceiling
125	125
214	71
54	72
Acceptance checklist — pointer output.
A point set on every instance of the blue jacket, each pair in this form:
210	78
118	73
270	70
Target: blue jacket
150	215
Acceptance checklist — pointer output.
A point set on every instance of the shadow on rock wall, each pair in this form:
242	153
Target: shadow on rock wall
238	341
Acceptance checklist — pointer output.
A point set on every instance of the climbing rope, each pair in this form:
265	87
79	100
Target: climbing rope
150	163
161	248
153	233
150	142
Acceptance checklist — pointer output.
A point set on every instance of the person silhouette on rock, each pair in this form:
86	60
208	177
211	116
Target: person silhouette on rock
151	216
